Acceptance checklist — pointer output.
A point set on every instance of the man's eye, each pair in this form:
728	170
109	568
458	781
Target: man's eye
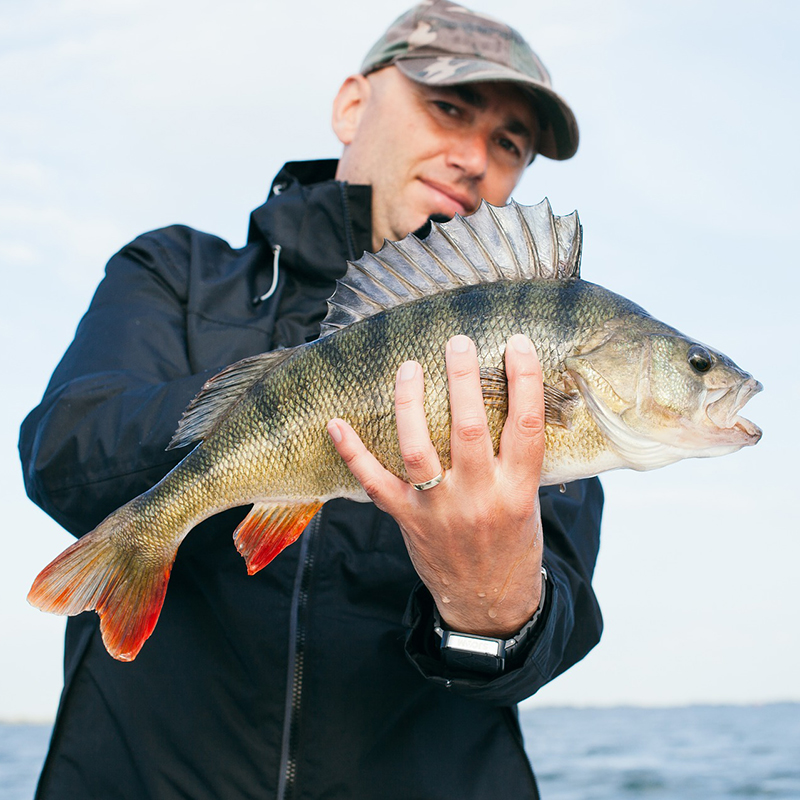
507	144
447	108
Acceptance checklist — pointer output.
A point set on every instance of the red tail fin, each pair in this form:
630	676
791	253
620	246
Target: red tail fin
111	574
268	528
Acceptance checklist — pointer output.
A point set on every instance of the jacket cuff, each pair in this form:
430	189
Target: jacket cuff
521	676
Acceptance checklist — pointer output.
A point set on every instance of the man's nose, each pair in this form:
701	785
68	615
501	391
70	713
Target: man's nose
469	151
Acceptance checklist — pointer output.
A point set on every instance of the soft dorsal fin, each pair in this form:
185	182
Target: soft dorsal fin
495	243
221	393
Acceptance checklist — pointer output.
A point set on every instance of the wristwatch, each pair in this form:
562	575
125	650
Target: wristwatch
468	651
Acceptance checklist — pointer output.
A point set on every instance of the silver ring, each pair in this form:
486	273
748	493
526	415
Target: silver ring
421	487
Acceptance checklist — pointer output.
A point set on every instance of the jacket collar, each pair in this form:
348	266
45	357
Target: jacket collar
319	222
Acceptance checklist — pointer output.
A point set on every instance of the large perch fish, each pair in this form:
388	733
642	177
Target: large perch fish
621	390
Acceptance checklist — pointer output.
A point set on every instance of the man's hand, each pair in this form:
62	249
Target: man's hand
475	538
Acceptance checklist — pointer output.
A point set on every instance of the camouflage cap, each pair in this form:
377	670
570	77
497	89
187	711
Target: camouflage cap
442	43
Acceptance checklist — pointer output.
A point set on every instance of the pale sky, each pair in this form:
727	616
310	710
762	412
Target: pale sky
119	117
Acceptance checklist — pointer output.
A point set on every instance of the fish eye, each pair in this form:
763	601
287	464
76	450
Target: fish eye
699	358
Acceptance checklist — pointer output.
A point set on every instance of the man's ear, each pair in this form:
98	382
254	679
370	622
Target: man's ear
348	107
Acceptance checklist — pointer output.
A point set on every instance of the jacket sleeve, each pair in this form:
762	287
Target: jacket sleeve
99	435
570	624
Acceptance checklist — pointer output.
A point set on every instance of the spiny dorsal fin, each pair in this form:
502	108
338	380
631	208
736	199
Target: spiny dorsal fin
495	243
221	393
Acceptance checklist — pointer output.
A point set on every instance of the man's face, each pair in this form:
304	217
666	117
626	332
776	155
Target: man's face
432	151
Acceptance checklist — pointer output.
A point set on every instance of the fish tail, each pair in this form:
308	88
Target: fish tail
120	575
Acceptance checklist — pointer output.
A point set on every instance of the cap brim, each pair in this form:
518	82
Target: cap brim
558	126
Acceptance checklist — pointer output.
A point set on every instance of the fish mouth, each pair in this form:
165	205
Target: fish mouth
724	406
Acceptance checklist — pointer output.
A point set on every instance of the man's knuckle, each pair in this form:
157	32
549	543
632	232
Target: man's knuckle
415	458
523	509
461	373
372	487
530	423
403	402
485	519
350	457
470	431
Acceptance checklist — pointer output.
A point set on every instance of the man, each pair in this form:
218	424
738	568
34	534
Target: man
324	675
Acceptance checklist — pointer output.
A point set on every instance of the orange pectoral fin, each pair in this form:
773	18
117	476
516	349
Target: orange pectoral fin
268	528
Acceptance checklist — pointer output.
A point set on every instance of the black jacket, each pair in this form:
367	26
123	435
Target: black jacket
317	677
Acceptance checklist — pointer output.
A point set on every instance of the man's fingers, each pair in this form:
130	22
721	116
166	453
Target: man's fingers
378	483
419	455
470	442
472	457
522	440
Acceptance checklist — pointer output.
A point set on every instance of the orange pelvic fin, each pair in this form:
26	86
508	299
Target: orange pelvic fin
268	528
107	573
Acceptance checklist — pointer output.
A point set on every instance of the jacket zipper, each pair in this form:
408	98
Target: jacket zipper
287	776
298	624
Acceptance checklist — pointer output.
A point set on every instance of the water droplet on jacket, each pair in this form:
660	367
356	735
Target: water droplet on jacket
562	488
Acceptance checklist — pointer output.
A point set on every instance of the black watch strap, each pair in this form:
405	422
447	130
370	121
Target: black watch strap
485	654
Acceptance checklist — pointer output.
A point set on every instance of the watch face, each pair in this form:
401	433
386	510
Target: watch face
466	661
480	645
472	653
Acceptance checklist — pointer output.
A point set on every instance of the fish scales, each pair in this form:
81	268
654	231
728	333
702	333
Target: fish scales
292	457
353	375
621	389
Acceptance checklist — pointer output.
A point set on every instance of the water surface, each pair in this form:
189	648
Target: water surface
692	753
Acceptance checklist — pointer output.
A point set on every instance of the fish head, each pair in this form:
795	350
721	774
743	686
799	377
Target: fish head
659	396
700	392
